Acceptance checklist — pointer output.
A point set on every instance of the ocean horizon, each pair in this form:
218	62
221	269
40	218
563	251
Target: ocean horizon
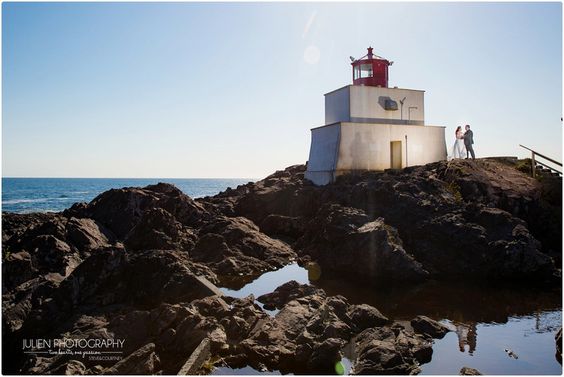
25	195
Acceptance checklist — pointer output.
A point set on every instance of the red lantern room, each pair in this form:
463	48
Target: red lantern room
370	70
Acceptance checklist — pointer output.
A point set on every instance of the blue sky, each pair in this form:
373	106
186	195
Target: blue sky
232	89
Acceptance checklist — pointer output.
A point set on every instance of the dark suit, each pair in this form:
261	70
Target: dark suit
468	141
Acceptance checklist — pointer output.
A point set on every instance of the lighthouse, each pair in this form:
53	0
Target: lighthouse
372	127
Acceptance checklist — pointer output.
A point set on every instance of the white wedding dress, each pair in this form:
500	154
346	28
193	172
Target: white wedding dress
458	149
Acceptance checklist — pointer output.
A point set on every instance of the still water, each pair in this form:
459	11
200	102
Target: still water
487	319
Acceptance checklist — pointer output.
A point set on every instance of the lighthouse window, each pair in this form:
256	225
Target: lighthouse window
363	71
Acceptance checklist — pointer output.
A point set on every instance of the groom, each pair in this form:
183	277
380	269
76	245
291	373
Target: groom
468	141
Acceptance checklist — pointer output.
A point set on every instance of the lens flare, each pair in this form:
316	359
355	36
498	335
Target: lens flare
312	55
340	368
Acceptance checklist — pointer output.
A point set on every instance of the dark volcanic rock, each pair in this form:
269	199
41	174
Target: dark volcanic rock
140	264
122	209
365	316
172	277
309	332
283	226
425	325
18	303
87	234
16	269
211	248
388	350
110	284
54	255
502	185
490	242
70	368
467	371
113	277
142	361
15	224
152	276
158	229
339	237
251	251
285	293
325	355
431	215
284	193
56	245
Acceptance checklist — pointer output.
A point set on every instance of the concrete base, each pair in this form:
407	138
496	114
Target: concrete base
320	178
344	146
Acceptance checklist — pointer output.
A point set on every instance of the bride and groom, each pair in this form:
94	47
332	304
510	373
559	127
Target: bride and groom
463	143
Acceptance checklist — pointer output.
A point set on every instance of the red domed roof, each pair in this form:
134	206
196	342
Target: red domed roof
371	70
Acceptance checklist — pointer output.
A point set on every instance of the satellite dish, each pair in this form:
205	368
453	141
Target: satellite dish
352	59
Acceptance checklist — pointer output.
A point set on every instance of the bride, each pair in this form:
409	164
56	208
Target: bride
458	149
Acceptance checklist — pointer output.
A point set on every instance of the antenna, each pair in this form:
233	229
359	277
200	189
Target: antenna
401	112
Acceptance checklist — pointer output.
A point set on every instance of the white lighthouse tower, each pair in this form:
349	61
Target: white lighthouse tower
369	126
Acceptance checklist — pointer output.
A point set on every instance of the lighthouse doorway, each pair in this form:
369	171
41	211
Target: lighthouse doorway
395	154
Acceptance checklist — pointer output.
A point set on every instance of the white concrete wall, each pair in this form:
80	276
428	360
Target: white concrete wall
368	102
337	106
356	103
359	132
323	154
366	146
348	147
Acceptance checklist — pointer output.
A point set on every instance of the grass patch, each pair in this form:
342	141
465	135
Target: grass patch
454	189
524	166
209	365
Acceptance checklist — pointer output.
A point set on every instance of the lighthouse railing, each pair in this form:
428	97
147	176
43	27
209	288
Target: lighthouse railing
540	164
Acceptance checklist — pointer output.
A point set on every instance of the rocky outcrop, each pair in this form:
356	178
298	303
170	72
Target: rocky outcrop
141	264
502	184
87	234
339	237
142	361
311	330
235	246
15	224
425	325
158	229
467	371
55	245
16	269
120	210
306	335
457	219
283	193
285	293
391	350
18	303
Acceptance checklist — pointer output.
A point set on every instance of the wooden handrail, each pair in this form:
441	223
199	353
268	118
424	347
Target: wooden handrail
549	167
534	162
541	155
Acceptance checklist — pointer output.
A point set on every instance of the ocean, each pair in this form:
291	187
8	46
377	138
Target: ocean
24	195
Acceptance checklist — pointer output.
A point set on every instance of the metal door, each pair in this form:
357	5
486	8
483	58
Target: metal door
395	155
